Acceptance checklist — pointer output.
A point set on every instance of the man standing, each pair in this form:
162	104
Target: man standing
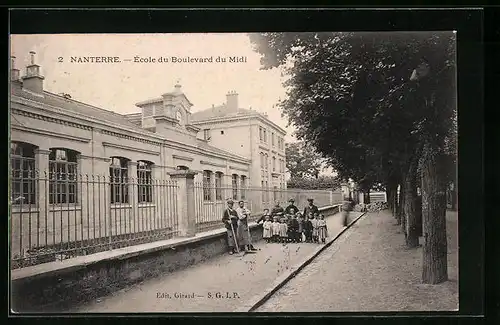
243	232
347	207
311	208
291	206
277	210
230	217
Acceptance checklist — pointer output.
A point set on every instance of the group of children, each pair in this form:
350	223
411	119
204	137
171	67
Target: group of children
294	228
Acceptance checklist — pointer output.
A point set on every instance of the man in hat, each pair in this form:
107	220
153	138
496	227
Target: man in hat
230	217
291	208
311	208
243	233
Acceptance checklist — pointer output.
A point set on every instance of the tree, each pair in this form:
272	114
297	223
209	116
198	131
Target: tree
321	183
379	107
302	160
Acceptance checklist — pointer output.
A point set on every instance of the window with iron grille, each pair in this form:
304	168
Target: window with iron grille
144	181
218	186
235	187
243	187
63	169
207	182
22	157
118	172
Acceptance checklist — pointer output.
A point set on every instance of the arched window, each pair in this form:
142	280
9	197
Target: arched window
243	187
218	185
207	182
235	186
22	157
144	181
63	168
118	172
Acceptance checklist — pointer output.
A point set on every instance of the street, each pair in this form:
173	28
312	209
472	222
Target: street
368	269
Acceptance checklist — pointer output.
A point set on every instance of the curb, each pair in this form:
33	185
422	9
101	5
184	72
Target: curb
259	300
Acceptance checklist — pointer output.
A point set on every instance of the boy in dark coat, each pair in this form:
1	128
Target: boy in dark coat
308	229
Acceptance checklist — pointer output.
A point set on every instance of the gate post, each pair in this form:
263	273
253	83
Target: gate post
185	202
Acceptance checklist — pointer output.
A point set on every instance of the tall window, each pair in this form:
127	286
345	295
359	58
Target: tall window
265	136
261	134
144	181
206	134
118	172
235	187
207	182
22	157
218	186
267	192
266	163
263	191
272	138
63	176
262	160
274	164
243	187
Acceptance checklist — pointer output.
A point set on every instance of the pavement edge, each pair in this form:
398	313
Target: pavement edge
282	280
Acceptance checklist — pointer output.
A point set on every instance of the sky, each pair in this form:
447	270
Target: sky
118	86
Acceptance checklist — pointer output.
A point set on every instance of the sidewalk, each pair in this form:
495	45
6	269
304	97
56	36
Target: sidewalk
219	285
369	269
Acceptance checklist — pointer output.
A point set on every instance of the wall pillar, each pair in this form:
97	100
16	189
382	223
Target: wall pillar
101	195
85	196
185	202
133	195
42	193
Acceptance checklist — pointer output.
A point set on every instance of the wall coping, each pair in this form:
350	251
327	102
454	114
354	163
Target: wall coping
81	262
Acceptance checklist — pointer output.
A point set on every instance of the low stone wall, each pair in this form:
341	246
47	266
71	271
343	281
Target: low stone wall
60	286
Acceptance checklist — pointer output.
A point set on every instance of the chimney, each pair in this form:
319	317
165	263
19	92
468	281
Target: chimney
33	81
232	100
14	73
178	87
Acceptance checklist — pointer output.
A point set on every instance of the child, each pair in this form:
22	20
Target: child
275	230
283	231
290	228
322	230
263	218
295	229
314	222
308	228
267	231
300	230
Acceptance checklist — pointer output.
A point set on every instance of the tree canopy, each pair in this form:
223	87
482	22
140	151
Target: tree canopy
303	160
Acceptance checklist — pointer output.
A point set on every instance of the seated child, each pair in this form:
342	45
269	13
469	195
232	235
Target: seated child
267	229
322	230
275	230
283	231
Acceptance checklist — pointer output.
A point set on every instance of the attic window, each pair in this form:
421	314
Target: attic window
222	132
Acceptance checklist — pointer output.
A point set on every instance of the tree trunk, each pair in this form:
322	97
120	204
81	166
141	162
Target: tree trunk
418	212
435	249
402	207
410	199
366	197
454	198
399	202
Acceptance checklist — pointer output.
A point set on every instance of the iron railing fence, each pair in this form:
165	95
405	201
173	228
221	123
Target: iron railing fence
56	216
211	201
73	215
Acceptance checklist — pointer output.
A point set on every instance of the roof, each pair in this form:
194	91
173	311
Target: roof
219	111
77	107
204	145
